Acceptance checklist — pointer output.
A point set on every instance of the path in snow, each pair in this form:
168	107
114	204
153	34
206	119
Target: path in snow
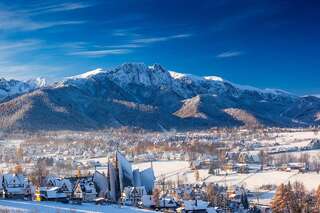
54	207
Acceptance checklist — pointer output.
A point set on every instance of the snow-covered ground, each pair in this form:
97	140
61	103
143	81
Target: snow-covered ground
252	181
292	138
54	207
167	168
11	142
312	153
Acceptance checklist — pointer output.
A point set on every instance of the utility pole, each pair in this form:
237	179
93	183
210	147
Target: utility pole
151	164
163	193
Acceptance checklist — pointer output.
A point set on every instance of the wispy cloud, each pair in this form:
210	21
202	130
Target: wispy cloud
14	65
51	8
160	39
229	54
28	71
125	46
21	45
72	45
125	32
18	20
101	53
10	49
18	23
89	50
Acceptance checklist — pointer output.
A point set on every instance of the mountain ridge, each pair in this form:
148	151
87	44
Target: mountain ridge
151	97
14	87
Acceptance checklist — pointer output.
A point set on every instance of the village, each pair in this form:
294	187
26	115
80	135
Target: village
230	171
121	185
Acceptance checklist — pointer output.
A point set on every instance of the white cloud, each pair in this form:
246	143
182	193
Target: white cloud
159	39
50	8
14	65
81	49
10	49
20	24
28	71
126	46
101	53
229	54
21	45
125	32
77	45
15	20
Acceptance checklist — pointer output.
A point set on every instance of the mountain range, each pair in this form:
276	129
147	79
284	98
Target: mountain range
148	97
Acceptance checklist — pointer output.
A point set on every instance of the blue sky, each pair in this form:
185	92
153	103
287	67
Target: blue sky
267	44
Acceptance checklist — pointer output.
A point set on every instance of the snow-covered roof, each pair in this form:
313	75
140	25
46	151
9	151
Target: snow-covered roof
53	188
13	179
191	205
58	182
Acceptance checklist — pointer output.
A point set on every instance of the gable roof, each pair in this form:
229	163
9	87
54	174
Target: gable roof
13	179
59	182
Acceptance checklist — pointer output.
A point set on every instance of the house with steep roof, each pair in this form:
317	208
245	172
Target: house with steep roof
85	190
14	185
64	184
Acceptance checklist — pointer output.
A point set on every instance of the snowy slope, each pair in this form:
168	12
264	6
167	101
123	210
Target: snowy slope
137	95
186	85
14	87
53	207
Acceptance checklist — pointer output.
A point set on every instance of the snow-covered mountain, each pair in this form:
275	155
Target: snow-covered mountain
152	97
185	85
10	88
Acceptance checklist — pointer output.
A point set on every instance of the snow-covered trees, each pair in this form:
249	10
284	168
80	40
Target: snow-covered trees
279	200
244	200
317	195
294	198
156	197
215	196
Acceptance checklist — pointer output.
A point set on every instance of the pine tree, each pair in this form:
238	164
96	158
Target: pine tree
318	198
278	203
244	200
156	197
288	197
212	194
298	199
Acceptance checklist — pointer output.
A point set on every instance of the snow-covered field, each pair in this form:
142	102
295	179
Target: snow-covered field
171	169
167	168
252	181
11	142
292	139
55	207
311	153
